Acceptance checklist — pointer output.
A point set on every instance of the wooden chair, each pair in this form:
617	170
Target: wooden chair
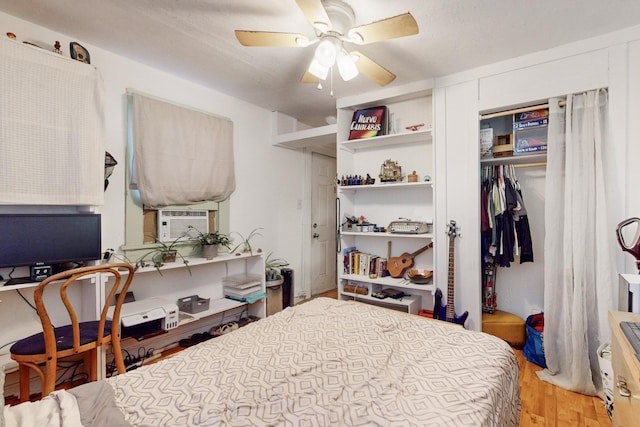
41	351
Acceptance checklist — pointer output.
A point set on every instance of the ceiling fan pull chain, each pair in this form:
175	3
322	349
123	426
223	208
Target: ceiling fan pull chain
331	83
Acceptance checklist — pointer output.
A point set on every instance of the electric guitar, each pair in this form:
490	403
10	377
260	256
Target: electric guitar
397	266
448	312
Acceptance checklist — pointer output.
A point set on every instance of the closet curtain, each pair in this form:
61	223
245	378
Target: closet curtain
579	258
181	156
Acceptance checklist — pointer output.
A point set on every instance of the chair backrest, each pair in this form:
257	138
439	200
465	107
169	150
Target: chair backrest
122	274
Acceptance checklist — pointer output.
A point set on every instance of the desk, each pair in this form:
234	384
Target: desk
626	368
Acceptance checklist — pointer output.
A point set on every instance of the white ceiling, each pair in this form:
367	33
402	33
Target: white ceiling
195	40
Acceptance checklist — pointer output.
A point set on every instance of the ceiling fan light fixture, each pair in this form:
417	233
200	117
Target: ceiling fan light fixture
318	70
326	52
347	65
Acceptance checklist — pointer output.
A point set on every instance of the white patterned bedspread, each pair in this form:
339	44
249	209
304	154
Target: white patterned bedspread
330	363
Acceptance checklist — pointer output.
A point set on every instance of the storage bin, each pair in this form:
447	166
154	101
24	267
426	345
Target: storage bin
193	304
504	325
533	346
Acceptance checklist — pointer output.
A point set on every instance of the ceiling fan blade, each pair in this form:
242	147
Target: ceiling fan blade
309	78
390	28
265	38
374	71
315	13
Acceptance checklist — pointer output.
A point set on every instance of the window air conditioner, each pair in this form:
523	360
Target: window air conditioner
174	223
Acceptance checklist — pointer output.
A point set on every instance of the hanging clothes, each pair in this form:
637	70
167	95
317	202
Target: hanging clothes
505	226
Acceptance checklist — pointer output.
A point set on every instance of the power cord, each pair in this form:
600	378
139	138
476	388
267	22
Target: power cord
132	362
26	300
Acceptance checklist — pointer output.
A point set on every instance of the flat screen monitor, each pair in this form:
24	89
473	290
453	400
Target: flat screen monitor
49	239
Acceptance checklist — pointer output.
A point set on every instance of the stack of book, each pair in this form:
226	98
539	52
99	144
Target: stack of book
244	288
365	264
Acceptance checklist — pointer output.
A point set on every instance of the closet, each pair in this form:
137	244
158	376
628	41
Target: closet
512	180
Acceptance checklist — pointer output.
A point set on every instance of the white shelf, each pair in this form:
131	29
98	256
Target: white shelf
388	281
408	104
421	135
4	287
195	261
215	307
387	235
387	95
307	138
385	186
407	300
516	159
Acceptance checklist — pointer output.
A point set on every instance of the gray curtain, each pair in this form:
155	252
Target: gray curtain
181	156
579	259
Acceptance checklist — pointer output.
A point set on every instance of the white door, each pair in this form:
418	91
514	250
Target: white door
323	224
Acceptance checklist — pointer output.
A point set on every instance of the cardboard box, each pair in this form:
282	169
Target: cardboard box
503	145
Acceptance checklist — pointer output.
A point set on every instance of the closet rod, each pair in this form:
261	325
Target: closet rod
529	165
518	110
519	165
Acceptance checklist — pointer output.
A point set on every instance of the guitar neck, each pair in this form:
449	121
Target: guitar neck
451	311
419	251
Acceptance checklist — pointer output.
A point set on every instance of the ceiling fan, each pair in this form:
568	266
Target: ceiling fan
333	24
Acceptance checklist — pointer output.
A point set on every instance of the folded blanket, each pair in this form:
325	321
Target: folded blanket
59	409
88	405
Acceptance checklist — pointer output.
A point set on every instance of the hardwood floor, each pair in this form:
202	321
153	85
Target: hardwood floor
548	405
544	404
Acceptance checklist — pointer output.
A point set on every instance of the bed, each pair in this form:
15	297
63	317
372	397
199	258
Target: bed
321	363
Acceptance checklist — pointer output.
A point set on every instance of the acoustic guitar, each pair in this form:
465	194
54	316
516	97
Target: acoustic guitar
448	312
397	266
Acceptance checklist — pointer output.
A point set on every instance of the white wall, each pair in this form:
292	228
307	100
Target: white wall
611	61
266	193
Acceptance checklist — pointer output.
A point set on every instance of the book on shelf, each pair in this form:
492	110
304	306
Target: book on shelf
368	122
364	264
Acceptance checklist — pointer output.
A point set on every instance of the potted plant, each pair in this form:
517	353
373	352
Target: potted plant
163	252
245	244
273	273
209	242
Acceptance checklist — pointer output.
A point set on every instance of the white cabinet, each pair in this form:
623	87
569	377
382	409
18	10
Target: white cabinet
383	202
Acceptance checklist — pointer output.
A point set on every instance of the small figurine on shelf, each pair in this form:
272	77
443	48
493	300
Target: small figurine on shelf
56	48
390	171
414	128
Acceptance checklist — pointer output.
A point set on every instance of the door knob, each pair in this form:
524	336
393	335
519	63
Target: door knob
316	235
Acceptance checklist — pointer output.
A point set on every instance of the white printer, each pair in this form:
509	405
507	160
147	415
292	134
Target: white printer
147	316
